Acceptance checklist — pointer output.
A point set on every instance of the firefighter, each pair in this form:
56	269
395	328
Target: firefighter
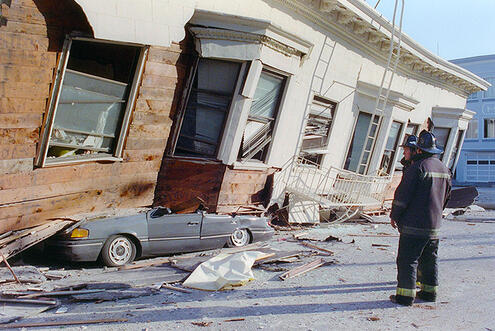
409	151
417	212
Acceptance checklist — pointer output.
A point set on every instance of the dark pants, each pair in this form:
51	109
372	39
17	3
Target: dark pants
416	253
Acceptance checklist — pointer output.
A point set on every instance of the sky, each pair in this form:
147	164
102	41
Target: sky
452	29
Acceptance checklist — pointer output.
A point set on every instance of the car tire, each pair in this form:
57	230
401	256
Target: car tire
239	238
118	250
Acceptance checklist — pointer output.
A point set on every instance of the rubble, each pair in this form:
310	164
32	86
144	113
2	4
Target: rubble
303	269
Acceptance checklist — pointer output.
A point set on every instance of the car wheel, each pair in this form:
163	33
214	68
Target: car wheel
239	238
118	250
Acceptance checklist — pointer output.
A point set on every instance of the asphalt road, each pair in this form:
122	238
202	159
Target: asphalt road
350	294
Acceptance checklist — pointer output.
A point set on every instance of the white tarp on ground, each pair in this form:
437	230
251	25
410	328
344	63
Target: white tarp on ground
223	271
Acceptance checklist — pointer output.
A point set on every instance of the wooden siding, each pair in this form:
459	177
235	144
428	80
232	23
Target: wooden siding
182	180
244	188
30	45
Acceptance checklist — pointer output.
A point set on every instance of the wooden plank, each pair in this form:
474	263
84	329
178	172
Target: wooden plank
302	269
19	135
154	106
26	14
317	248
29	302
21	244
127	184
20	41
160	81
168	56
174	288
18	105
24	90
17	151
92	201
16	166
140	143
10	269
143	155
59	293
26	28
164	69
140	117
29	120
28	57
149	131
26	74
139	265
60	323
158	93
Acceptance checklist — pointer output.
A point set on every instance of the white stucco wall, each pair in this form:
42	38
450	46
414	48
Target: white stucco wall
160	22
149	22
348	64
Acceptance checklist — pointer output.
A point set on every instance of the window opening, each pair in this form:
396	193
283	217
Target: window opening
360	141
442	135
391	147
455	150
93	101
207	108
317	130
261	119
489	128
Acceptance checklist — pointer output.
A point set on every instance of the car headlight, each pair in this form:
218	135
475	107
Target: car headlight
79	233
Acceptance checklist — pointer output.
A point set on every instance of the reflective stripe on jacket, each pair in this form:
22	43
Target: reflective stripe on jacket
421	196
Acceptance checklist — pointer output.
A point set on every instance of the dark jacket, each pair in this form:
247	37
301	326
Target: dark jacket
421	196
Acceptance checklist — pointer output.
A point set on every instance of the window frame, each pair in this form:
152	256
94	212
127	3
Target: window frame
274	123
54	101
472	121
320	156
241	76
394	152
376	136
485	128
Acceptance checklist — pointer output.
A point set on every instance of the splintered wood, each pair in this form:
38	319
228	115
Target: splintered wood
302	269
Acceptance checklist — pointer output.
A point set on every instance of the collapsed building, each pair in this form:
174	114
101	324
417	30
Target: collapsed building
124	103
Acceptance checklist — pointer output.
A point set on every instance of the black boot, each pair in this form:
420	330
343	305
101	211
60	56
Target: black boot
426	296
402	300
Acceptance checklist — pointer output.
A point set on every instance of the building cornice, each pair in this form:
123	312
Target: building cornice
359	24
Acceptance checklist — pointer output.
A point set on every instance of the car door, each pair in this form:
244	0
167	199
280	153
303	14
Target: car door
216	230
173	233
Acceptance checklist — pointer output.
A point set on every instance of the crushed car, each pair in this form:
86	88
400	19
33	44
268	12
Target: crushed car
120	240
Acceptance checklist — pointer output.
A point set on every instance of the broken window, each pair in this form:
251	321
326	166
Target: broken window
391	147
264	108
317	130
88	114
207	108
455	150
361	144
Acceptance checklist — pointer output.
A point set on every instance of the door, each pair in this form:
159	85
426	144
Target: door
216	230
173	233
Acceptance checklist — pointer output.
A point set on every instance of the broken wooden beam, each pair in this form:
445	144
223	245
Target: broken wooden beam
173	288
29	301
329	252
144	264
59	293
10	269
32	237
58	323
302	269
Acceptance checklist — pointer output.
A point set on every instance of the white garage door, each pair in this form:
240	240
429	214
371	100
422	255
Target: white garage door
480	167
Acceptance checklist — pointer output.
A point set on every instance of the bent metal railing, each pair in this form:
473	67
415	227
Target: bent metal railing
331	188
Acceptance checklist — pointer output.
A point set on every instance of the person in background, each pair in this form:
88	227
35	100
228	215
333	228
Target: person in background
417	212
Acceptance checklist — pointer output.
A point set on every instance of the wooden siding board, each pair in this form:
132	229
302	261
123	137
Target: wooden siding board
20	121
